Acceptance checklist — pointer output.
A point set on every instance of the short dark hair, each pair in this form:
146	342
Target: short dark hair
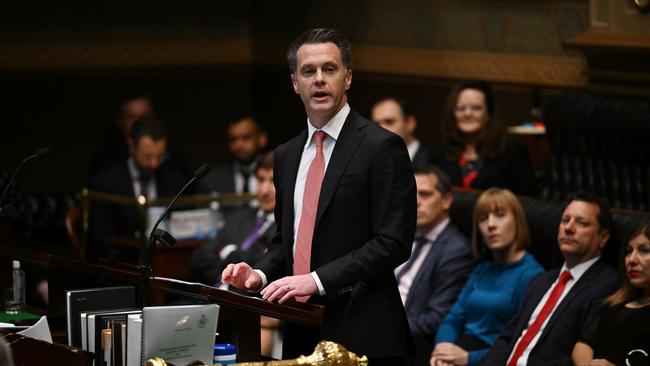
401	101
128	97
265	161
320	35
604	217
148	126
253	116
443	184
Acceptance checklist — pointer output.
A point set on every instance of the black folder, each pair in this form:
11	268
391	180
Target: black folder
78	301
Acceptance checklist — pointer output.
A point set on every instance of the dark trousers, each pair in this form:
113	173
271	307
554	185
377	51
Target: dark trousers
388	361
300	340
423	349
471	343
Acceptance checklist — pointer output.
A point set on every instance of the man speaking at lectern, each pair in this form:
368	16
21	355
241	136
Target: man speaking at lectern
345	213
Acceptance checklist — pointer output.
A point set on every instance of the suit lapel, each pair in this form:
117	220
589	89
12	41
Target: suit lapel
128	181
427	265
293	156
581	285
346	145
536	297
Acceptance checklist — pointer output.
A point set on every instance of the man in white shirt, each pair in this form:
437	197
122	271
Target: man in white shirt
345	213
561	302
246	140
246	234
441	260
146	172
395	115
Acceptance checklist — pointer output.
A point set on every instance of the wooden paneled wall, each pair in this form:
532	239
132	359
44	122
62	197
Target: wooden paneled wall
65	66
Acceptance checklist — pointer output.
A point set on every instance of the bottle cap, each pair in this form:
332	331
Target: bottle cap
15	264
221	349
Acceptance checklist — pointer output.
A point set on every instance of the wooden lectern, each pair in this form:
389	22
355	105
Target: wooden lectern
239	316
28	351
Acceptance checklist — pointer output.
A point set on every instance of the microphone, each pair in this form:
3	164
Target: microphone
159	235
8	209
201	171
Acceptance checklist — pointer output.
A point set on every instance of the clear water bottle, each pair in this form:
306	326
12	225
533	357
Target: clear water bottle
16	301
217	219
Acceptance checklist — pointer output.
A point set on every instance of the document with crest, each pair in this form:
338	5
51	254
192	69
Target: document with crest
179	334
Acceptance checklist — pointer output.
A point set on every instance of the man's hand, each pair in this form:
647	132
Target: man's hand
242	276
290	287
448	354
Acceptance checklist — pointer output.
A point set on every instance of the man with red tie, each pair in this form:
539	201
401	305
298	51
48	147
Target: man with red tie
560	303
345	212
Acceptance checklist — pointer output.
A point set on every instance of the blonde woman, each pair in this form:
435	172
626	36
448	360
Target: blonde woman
495	290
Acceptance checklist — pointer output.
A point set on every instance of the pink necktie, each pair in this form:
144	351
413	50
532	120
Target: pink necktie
541	317
302	255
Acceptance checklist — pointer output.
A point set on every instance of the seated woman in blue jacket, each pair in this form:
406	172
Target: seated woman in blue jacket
495	290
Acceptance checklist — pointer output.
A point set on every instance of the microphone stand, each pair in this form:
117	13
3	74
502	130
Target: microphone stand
8	209
162	236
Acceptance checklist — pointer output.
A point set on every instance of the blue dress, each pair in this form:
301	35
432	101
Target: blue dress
491	297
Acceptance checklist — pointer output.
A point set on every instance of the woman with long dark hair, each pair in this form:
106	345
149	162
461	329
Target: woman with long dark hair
621	335
476	151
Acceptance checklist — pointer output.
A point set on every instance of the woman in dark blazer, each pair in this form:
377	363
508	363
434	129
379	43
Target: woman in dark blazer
476	151
621	335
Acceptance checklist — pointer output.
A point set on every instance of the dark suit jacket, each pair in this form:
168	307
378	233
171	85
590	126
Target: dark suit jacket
422	156
109	220
220	179
578	308
436	287
510	169
117	150
205	264
365	225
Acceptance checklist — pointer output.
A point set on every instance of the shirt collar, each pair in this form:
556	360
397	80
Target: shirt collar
269	216
133	170
579	269
239	167
433	234
413	148
333	127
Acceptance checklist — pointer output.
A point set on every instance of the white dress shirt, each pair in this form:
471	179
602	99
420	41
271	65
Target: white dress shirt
576	272
238	177
135	178
407	278
332	130
413	148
